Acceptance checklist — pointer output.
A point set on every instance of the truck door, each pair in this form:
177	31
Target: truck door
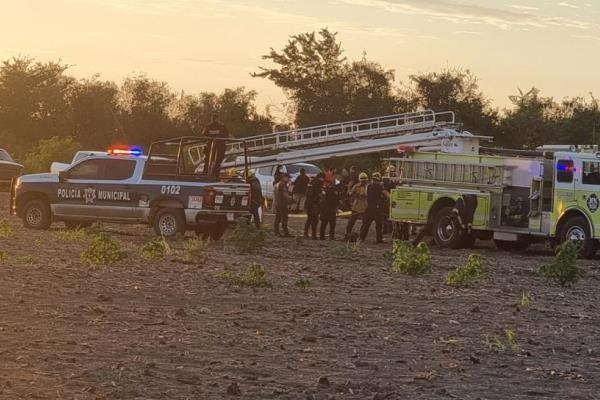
97	188
564	185
587	190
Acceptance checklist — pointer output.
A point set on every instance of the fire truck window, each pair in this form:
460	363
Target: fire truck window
564	171
591	173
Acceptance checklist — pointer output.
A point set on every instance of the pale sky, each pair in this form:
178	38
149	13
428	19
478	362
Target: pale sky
208	45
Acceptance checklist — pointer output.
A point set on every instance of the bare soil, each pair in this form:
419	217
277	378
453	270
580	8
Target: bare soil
173	330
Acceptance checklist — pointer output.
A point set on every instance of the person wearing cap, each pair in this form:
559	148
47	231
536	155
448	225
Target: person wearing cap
358	199
214	152
256	198
281	202
376	200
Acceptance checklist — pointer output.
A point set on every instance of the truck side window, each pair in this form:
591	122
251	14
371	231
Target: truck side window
89	169
118	170
564	171
591	173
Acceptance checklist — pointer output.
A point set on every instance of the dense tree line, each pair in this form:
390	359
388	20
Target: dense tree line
40	101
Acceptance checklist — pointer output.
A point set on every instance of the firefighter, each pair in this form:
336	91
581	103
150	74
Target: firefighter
358	198
281	203
312	205
215	149
388	185
256	197
376	199
328	209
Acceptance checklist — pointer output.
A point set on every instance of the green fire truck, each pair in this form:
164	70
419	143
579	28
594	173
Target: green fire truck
512	197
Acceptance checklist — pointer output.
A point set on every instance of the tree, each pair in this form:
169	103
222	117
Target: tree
145	110
455	90
60	149
33	102
96	113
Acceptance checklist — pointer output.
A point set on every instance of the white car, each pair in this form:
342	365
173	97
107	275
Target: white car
265	175
56	167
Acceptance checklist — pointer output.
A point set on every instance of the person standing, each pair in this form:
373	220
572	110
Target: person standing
329	205
358	198
281	204
299	191
313	201
376	199
256	198
214	152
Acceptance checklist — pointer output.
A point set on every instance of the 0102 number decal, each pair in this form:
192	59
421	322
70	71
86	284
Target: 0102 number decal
170	189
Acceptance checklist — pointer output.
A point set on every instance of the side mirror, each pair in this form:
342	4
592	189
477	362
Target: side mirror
62	176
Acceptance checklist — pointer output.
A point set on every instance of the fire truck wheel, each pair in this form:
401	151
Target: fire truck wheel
37	215
169	222
447	231
577	230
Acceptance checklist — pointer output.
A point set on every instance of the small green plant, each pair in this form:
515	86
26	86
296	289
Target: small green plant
103	250
195	251
470	272
564	269
3	256
27	260
155	249
508	340
246	238
254	276
96	227
525	299
409	259
71	235
302	283
350	249
6	230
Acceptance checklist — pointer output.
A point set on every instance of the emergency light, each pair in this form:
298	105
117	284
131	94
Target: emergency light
126	151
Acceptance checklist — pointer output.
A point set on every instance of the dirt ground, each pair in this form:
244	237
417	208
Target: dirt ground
173	330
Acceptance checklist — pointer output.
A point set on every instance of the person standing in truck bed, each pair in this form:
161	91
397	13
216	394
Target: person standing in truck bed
215	150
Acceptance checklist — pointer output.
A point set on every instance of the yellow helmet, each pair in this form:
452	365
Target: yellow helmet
363	176
376	176
391	168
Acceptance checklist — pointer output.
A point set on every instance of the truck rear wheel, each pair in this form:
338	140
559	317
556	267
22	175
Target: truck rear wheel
37	215
169	222
447	231
577	230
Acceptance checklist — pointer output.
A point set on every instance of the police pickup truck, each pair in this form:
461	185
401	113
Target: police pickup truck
164	189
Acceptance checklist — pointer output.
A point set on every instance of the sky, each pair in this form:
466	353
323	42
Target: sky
209	45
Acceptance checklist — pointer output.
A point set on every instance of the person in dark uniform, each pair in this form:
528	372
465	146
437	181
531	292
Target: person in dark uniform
281	203
312	205
329	205
256	198
299	191
376	200
215	150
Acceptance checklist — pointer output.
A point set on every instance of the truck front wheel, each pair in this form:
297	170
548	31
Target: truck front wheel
169	222
577	230
447	231
37	215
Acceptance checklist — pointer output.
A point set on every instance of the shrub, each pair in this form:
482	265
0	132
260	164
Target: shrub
302	283
56	148
470	272
155	249
103	250
71	235
411	260
350	249
195	251
508	340
5	228
564	269
246	238
254	276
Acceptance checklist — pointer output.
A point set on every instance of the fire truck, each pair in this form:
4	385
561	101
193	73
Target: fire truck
464	192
